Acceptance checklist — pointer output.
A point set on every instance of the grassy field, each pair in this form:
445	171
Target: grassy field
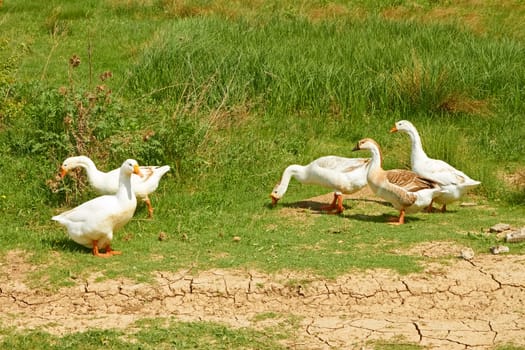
229	94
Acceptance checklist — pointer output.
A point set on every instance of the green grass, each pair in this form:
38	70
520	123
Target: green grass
229	95
150	334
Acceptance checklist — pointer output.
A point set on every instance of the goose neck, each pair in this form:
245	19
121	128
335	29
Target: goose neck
89	165
377	159
417	151
297	171
125	190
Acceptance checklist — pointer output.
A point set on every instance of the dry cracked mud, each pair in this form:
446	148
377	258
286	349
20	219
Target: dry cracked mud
476	304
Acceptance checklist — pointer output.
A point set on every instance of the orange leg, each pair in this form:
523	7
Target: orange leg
112	252
95	248
430	207
336	204
401	219
150	208
444	208
97	253
339	204
109	252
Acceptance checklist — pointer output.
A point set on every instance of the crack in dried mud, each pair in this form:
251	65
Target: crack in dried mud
467	304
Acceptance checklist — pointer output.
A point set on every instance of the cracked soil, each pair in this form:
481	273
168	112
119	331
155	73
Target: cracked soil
473	304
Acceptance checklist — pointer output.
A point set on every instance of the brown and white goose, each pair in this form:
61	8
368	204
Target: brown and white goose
407	191
343	175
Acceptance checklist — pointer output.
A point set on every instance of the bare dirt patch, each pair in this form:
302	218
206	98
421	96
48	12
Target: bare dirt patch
465	304
435	249
316	203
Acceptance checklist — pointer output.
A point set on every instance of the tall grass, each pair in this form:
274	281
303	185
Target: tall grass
348	78
293	64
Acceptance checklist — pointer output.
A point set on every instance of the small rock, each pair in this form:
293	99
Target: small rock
163	236
236	238
515	236
499	249
467	254
499	228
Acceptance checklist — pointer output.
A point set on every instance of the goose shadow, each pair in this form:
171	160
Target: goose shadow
65	244
380	218
437	211
307	204
317	206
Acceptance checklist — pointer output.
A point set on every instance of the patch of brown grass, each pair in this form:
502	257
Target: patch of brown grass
414	81
399	13
333	11
130	3
183	9
463	104
476	16
227	9
471	18
519	178
456	14
515	179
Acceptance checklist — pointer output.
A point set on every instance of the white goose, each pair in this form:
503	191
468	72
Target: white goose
407	191
455	182
92	223
108	183
343	175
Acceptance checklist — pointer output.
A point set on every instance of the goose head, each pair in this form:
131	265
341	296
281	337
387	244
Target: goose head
403	125
130	166
72	163
364	144
373	147
276	194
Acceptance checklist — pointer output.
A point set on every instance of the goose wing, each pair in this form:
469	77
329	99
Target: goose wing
409	180
443	173
341	164
92	210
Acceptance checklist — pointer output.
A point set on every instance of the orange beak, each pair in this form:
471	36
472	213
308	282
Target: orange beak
394	129
136	170
274	200
63	172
